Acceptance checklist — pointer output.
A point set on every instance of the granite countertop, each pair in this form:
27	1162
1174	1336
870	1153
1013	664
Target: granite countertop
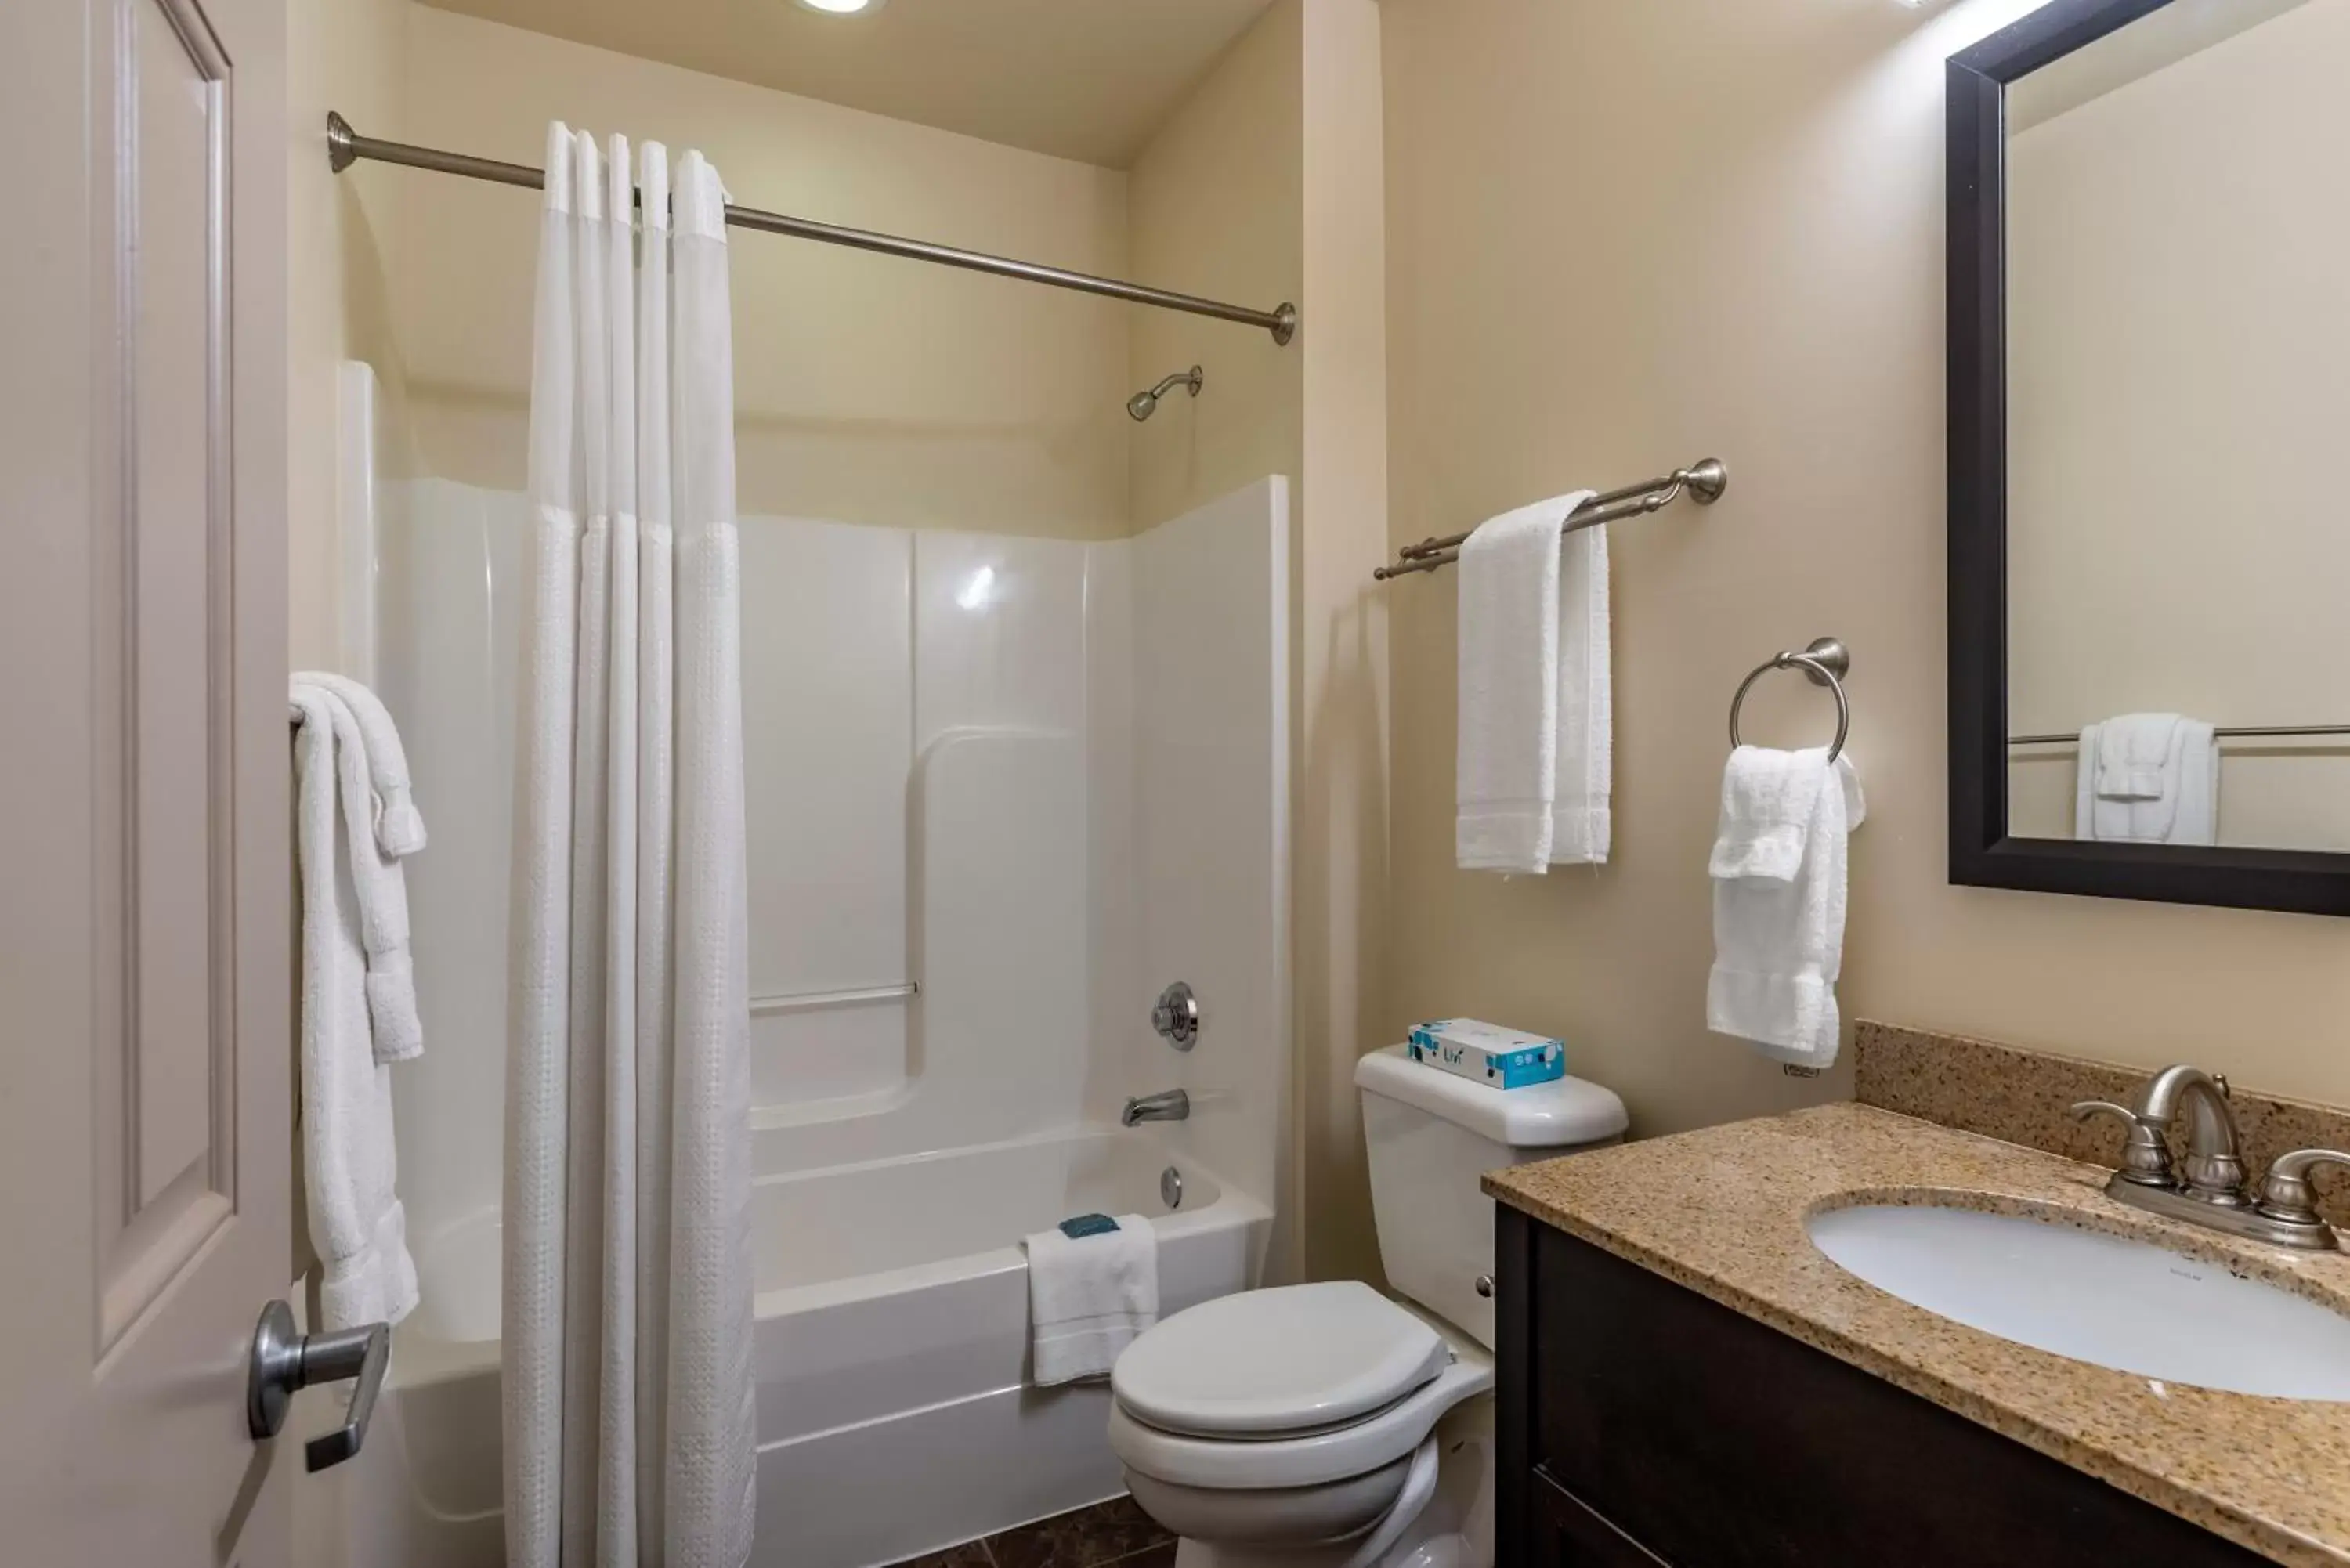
1721	1211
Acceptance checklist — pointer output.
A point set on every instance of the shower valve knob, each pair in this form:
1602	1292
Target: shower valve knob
1176	1016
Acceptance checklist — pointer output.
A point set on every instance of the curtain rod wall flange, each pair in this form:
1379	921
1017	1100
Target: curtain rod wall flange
346	147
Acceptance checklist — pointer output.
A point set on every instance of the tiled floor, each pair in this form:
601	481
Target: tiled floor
1113	1532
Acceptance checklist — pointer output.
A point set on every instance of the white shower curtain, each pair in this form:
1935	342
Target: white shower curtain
626	1329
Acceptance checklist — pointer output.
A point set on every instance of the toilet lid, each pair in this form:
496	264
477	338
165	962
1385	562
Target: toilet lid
1274	1361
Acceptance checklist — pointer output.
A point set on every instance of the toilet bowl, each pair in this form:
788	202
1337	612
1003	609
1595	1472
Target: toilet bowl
1328	1426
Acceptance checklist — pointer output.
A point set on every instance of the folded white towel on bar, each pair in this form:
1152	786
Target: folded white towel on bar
1582	810
1089	1297
1778	941
1514	696
2133	756
2147	778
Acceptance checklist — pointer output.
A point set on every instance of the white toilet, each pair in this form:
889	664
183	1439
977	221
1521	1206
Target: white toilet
1326	1424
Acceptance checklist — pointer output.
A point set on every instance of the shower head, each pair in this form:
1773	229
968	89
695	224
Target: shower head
1142	405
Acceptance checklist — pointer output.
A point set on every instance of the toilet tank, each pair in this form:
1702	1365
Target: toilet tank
1429	1135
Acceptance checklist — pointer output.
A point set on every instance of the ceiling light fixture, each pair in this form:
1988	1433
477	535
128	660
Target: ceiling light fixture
842	7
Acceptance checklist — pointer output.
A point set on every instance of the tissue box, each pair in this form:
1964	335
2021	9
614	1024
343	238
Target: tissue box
1502	1058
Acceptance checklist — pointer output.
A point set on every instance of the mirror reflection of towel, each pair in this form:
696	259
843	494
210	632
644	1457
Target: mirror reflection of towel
2147	778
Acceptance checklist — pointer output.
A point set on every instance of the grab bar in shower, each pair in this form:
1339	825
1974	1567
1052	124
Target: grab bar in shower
817	1001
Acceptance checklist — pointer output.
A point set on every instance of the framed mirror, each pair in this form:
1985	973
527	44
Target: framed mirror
2149	361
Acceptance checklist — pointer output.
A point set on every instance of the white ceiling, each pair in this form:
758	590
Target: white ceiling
1089	79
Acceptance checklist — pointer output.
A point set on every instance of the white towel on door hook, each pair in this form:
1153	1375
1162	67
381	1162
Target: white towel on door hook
399	829
357	1228
379	884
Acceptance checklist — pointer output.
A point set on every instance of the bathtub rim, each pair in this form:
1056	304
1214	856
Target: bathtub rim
420	1358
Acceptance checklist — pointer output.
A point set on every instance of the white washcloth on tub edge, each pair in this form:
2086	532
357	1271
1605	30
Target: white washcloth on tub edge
1507	762
348	1167
1779	944
1089	1297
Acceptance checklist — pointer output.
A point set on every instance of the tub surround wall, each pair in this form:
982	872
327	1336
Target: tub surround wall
1040	777
1208	898
2024	1097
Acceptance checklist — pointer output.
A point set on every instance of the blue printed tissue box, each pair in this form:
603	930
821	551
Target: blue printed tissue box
1501	1058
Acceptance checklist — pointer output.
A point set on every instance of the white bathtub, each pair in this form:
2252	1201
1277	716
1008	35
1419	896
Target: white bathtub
894	1412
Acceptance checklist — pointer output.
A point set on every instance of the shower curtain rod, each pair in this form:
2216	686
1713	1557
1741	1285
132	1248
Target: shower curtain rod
346	147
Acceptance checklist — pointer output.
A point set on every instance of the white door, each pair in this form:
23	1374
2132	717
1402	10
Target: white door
145	1156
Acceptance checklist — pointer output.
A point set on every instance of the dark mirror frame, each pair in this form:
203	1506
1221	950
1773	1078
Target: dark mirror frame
1982	855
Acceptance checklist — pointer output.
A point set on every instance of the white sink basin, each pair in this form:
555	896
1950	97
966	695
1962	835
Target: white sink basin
2130	1305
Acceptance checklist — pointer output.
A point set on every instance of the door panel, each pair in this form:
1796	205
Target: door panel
145	1144
166	819
174	826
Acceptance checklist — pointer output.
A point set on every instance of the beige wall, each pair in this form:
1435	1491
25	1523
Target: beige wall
1267	185
1626	236
1341	820
1212	205
344	55
2175	337
866	389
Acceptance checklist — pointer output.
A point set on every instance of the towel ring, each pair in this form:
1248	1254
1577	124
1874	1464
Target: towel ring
1825	663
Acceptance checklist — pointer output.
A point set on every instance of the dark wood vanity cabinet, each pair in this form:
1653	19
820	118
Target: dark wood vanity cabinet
1641	1424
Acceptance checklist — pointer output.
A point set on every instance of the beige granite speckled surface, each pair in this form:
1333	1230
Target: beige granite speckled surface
1721	1211
2018	1095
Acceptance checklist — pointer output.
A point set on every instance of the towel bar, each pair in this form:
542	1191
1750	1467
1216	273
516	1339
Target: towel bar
1704	481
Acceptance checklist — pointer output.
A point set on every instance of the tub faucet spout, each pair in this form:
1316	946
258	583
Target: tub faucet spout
1173	1106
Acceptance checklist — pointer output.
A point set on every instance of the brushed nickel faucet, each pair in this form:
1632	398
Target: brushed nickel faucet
1170	1105
2207	1186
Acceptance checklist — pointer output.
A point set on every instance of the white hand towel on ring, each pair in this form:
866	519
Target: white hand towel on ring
1779	893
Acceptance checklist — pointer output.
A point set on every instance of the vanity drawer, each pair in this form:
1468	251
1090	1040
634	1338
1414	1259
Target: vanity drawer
1715	1441
1574	1534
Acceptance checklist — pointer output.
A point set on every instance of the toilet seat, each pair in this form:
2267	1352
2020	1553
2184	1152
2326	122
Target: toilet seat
1307	1458
1277	1363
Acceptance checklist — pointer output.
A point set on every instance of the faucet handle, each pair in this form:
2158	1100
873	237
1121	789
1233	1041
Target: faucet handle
2146	1156
2286	1194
